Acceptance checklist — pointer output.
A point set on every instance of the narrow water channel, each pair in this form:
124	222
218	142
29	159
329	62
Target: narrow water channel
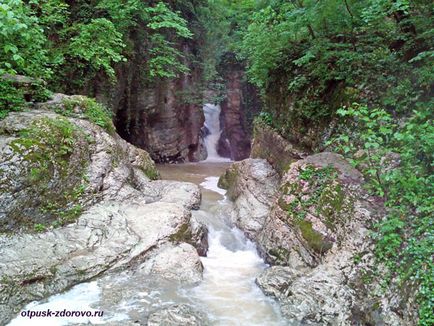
227	295
228	292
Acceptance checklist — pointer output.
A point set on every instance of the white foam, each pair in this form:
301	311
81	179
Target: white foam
212	123
79	298
228	291
210	183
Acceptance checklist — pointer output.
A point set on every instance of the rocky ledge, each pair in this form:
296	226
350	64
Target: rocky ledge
76	201
313	225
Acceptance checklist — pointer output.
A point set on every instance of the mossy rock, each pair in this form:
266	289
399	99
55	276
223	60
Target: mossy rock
315	193
314	239
81	107
229	181
184	234
279	255
51	158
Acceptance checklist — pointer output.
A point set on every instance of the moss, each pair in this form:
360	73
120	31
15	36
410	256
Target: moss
330	205
87	108
279	254
314	239
55	155
228	179
322	193
152	173
183	235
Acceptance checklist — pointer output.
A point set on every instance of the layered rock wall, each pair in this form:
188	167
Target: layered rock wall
313	224
241	104
164	117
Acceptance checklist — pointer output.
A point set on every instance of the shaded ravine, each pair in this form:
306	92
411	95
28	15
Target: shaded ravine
227	295
228	292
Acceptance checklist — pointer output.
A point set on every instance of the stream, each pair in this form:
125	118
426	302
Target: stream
228	293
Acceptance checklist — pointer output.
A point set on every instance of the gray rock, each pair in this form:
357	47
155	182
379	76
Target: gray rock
109	236
271	146
178	263
177	315
251	184
276	280
127	217
317	228
199	238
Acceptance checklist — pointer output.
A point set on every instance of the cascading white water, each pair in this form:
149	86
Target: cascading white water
228	292
227	295
212	123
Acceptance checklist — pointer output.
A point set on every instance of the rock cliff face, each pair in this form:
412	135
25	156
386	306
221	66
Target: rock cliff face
76	201
238	108
314	228
159	119
269	145
163	117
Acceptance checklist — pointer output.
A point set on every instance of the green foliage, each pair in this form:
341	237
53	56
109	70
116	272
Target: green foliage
11	98
406	237
312	60
22	51
80	41
40	227
96	46
84	107
22	41
264	117
311	57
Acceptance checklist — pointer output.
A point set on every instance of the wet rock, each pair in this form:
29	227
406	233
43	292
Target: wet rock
199	238
241	104
178	263
279	152
251	184
176	315
94	209
276	280
109	236
159	119
317	228
223	146
184	193
55	166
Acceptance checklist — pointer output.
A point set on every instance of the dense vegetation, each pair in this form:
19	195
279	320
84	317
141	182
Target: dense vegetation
353	76
80	41
356	77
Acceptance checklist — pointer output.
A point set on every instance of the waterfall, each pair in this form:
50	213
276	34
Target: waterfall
212	123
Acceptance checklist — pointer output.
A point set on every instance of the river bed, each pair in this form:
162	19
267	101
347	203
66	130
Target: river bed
228	294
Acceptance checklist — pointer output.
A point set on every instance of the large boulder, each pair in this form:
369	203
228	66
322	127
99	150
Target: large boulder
316	231
179	263
52	167
77	201
251	184
108	236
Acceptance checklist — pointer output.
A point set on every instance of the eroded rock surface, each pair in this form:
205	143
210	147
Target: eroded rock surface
178	263
251	184
175	315
76	201
315	228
